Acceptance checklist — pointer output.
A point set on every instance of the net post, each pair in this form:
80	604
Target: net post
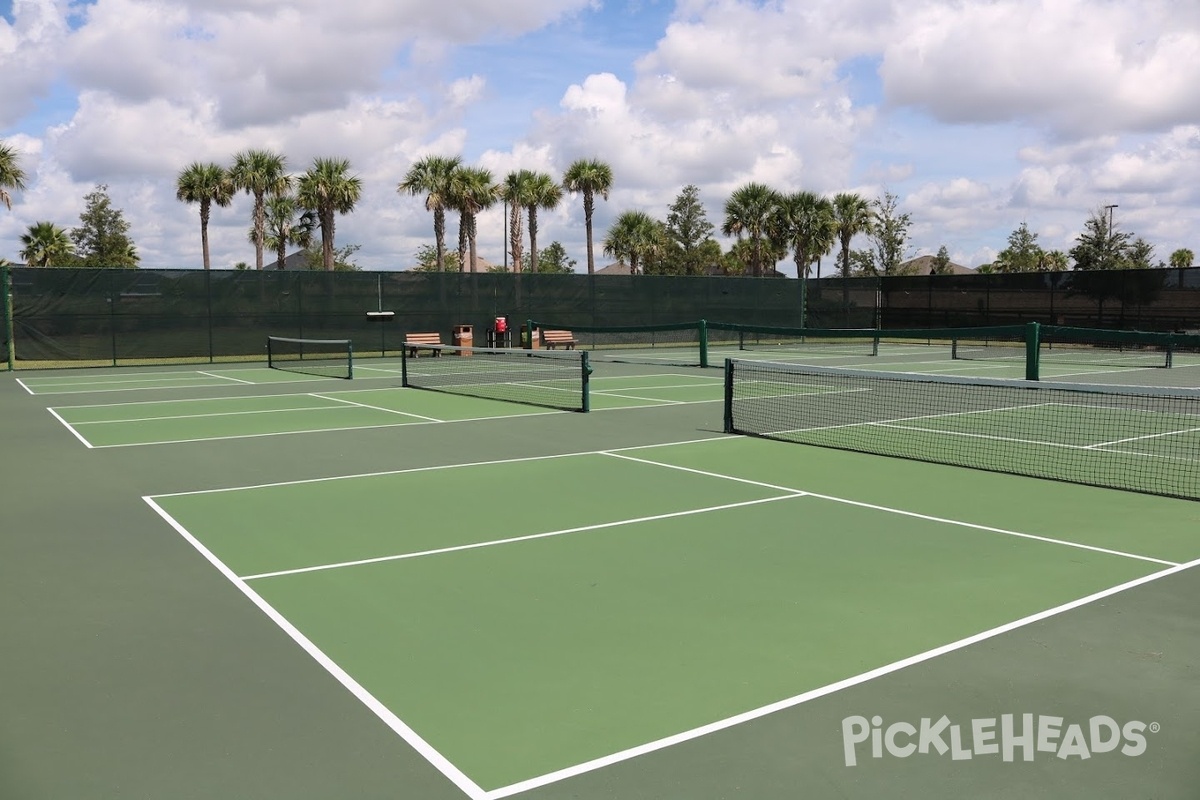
349	360
1033	335
954	349
586	368
703	325
528	343
1170	351
404	367
729	395
9	328
269	353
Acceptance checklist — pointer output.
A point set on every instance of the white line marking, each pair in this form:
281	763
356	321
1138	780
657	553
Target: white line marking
225	377
619	393
791	702
513	539
902	419
21	383
213	414
913	514
496	462
71	428
1142	438
414	740
376	408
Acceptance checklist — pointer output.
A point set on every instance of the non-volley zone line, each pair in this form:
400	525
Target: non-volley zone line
186	379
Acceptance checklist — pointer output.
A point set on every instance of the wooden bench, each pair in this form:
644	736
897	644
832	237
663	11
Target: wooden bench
553	339
414	342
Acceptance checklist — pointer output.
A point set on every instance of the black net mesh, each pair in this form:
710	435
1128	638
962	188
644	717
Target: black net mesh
552	379
1135	438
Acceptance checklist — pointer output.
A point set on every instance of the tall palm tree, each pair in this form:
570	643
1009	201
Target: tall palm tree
543	193
283	228
46	245
804	223
518	191
259	173
634	235
328	189
748	213
12	177
204	184
852	215
472	189
432	177
591	177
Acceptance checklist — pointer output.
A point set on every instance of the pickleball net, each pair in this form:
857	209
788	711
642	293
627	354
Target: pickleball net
329	358
1141	439
546	378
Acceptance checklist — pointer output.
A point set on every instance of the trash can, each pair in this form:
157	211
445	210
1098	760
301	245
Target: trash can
464	336
530	344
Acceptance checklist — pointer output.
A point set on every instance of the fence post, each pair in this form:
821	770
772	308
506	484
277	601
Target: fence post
9	327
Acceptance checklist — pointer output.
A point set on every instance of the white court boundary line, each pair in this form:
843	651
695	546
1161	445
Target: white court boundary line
71	428
411	737
526	538
473	790
791	702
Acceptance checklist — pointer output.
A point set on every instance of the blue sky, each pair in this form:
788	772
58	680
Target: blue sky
978	116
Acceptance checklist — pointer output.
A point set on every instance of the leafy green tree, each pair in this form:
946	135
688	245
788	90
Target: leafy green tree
282	228
1182	258
427	260
1023	253
543	193
748	214
432	176
1100	246
46	245
259	173
590	177
314	258
889	230
688	231
634	236
328	189
804	223
1140	255
12	177
941	262
204	184
102	238
863	263
553	260
472	189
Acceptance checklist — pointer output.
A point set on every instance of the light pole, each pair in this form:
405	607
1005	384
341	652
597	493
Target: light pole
1108	244
504	223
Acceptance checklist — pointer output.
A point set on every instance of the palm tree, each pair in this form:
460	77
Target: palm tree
282	227
852	215
1182	257
11	175
748	213
258	173
432	176
804	223
593	178
518	191
543	193
46	245
472	189
328	189
635	235
204	184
